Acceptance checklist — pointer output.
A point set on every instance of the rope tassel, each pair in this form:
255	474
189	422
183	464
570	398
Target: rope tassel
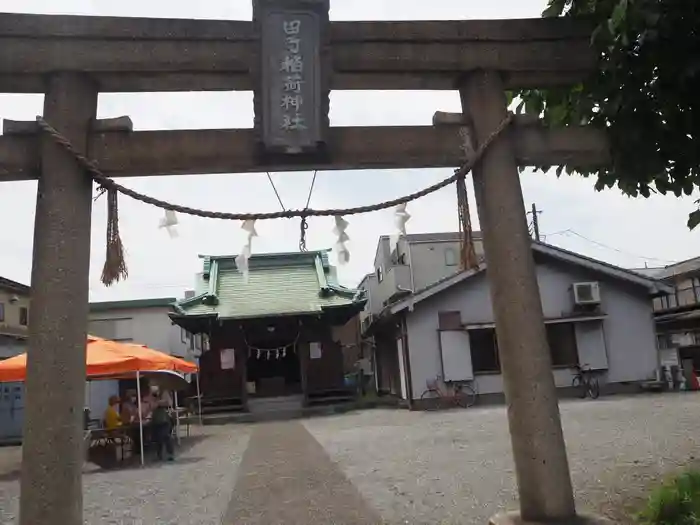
467	252
114	269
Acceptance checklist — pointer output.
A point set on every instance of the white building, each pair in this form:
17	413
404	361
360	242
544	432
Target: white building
446	328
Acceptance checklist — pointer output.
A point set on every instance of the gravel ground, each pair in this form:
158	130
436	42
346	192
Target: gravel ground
413	468
194	489
456	466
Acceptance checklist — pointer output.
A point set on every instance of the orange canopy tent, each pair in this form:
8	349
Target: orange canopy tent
107	358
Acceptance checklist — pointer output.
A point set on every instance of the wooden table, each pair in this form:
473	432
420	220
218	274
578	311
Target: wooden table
103	445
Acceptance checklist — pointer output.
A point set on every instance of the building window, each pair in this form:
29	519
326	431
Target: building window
2	312
562	344
484	350
23	316
184	336
685	293
450	257
380	274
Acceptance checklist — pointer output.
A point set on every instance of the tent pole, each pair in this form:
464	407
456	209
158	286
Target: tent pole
177	418
138	393
199	395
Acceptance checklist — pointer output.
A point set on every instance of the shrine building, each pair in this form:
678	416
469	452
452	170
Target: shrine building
272	333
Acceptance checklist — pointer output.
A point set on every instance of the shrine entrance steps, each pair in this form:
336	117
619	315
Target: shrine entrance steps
282	408
278	405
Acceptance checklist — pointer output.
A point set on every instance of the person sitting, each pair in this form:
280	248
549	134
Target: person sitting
162	429
111	416
130	410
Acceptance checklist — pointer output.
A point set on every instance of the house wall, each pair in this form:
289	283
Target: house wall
415	264
628	329
11	322
429	260
148	326
373	306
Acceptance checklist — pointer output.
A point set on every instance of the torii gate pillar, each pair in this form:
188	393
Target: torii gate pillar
541	465
53	452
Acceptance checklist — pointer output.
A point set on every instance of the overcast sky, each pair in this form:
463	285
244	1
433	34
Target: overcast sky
607	225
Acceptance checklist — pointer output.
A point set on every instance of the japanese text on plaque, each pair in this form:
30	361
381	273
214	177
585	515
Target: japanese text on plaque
292	69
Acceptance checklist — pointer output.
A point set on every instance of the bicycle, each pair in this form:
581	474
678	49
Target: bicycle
436	398
586	382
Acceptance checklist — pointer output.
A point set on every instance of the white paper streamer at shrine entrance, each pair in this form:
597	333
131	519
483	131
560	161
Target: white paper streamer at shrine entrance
401	217
342	238
169	221
244	256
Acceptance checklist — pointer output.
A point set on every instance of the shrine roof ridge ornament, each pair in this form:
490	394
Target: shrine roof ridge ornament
142	54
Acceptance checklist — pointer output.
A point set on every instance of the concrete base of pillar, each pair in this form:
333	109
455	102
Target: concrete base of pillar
513	518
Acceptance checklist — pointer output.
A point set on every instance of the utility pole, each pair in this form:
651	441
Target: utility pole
535	221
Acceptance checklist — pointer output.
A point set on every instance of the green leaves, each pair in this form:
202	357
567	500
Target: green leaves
555	8
644	95
693	219
618	16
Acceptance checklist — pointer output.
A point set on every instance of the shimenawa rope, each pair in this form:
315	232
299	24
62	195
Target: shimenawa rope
115	266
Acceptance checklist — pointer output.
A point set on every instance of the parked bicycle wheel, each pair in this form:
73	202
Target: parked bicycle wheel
593	388
465	397
579	385
431	399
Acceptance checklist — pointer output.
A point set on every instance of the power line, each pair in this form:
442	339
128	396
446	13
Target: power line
571	232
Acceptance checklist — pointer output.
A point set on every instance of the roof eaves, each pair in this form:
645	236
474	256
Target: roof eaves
176	315
181	306
654	285
258	315
132	304
14	286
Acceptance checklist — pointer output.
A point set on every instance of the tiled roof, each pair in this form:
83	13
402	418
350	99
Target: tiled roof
278	284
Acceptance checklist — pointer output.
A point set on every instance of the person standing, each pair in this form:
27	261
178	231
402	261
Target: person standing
130	409
162	429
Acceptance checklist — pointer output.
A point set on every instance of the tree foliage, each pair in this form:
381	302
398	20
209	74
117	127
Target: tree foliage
646	93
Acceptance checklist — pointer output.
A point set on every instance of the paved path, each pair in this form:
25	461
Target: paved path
287	477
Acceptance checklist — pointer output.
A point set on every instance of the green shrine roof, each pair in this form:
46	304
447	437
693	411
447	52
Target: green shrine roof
279	284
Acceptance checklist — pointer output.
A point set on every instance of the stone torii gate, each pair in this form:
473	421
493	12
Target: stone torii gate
291	56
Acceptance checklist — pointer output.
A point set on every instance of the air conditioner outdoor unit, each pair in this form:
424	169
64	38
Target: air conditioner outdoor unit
586	293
